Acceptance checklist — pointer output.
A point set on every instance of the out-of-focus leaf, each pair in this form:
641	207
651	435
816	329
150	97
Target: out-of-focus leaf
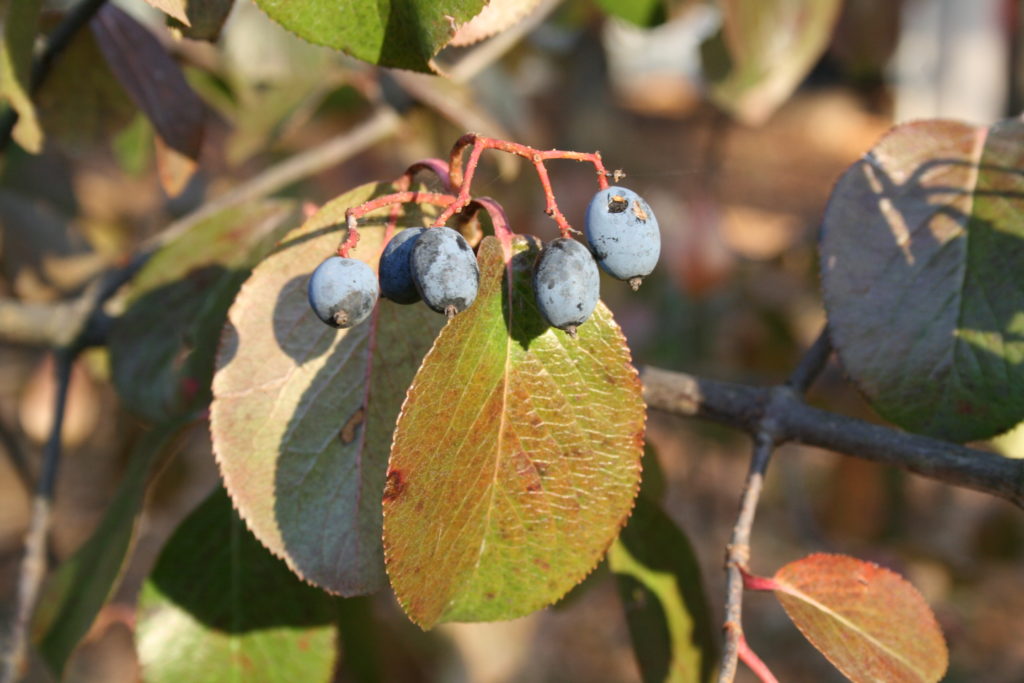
42	253
516	458
19	20
660	584
174	8
276	78
497	16
868	621
162	348
764	51
74	594
205	18
404	34
303	414
219	607
153	79
81	104
922	250
134	146
173	169
640	12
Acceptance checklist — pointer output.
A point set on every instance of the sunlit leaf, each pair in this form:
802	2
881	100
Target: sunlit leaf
516	458
922	250
219	607
74	594
19	21
764	51
660	584
162	347
496	17
403	34
303	414
868	621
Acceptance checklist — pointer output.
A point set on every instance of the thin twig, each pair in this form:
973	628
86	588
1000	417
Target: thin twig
738	554
58	39
33	564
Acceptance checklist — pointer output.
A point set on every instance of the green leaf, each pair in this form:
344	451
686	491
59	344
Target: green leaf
74	594
644	13
219	607
922	250
19	22
660	584
868	621
303	414
162	348
763	52
399	33
516	458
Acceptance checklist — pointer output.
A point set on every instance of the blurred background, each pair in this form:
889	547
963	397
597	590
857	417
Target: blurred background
739	186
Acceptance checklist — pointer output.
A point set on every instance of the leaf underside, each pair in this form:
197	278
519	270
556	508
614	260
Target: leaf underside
922	250
302	413
868	621
516	458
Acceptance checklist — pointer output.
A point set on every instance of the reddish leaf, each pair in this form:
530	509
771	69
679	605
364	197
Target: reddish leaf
868	621
516	457
152	78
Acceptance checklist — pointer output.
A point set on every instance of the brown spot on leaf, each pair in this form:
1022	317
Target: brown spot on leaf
348	432
394	486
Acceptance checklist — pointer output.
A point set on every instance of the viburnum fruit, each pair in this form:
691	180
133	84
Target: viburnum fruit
396	281
566	284
342	291
445	270
623	234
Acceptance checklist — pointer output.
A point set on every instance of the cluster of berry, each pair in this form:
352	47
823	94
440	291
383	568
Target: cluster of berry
437	266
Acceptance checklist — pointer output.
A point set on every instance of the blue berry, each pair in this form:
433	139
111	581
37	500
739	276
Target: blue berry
395	277
342	291
445	270
566	284
623	234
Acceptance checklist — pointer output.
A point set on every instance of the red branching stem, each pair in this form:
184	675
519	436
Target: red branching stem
462	180
457	179
356	212
499	220
750	658
753	582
